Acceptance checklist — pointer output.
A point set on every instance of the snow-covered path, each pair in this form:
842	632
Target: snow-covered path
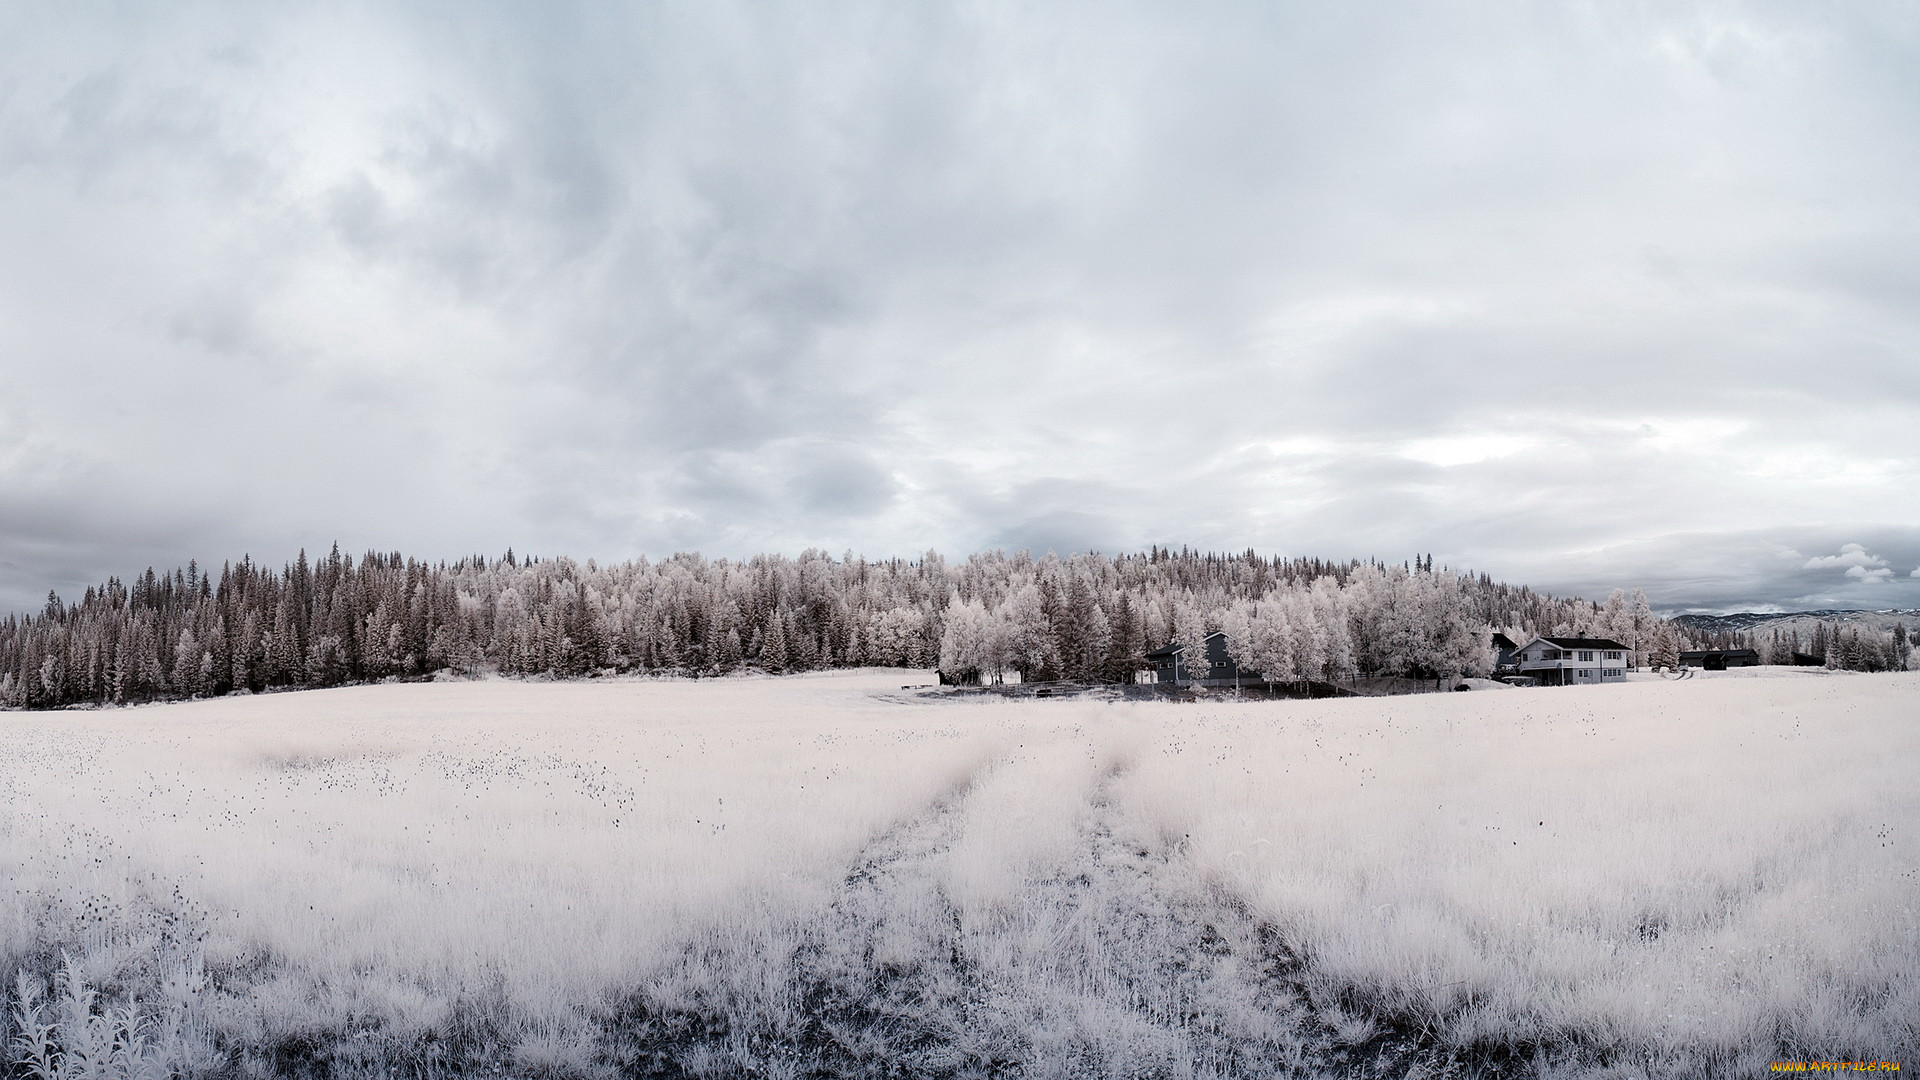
1111	959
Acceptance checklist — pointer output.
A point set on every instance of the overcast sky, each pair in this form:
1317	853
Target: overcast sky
1581	296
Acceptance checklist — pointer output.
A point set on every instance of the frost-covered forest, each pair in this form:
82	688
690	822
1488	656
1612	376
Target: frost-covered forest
1848	648
335	620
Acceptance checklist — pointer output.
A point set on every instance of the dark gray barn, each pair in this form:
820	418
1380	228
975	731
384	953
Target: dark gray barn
1503	650
1719	659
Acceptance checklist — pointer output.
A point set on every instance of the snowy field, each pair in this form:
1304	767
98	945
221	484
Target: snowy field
832	876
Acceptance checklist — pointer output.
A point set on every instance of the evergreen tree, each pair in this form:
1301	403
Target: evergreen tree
1127	650
1666	649
773	655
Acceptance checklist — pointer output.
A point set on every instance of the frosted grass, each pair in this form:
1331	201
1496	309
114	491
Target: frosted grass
585	878
382	851
1704	874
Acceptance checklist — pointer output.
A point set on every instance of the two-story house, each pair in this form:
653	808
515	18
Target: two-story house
1172	665
1571	661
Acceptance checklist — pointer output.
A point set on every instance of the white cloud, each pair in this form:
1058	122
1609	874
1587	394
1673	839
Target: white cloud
1869	576
1852	556
1465	449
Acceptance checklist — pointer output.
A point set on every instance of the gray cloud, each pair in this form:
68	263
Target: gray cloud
1584	298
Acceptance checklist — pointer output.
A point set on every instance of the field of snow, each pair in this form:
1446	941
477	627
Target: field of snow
831	875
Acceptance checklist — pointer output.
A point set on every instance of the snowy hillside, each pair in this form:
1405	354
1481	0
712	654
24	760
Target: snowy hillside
1802	622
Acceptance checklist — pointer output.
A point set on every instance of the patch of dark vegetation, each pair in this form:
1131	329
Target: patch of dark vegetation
651	1044
1106	691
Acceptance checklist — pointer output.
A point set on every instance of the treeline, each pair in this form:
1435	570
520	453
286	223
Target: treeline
336	620
1304	625
1846	648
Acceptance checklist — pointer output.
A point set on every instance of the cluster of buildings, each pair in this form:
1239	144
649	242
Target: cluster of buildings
1543	661
1575	661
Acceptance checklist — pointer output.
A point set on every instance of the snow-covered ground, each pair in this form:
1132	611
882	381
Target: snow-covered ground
832	875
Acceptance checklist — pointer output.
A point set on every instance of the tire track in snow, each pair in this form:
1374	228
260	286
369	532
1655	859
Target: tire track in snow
1119	960
778	1001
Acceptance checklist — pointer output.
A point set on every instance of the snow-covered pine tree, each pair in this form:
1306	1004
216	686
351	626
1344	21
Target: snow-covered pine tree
1190	629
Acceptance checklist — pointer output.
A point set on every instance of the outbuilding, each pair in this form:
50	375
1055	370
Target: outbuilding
1719	659
1503	650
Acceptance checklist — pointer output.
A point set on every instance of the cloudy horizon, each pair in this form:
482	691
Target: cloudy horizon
1580	298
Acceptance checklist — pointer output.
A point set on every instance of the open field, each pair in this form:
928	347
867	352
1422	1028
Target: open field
829	875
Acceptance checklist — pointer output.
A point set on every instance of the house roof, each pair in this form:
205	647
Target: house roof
1581	642
1173	647
1502	640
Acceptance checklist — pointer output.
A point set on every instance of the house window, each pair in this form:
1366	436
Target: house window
1586	673
1612	673
1611	655
1586	654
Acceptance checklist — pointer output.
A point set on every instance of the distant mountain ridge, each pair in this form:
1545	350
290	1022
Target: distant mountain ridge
1747	621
